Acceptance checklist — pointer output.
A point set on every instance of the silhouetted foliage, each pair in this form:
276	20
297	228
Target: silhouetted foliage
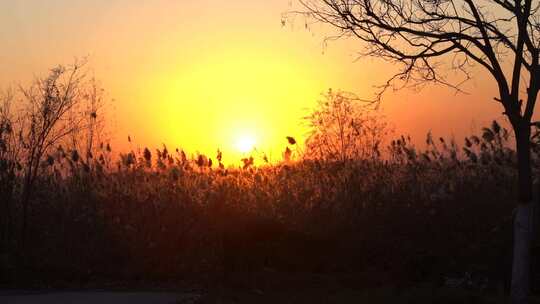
427	39
344	128
390	216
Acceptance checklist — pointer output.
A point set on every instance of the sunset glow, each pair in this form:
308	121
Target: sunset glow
194	74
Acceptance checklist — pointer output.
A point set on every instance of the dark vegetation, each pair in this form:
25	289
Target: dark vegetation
425	40
75	213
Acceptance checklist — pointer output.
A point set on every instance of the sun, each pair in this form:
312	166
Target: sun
245	143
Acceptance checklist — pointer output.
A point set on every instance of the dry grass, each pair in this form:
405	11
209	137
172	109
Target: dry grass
159	216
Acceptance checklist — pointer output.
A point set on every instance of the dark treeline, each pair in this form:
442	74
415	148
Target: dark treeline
74	211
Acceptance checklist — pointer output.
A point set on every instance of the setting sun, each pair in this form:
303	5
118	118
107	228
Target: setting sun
245	143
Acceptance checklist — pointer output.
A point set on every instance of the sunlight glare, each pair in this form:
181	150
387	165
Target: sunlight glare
245	143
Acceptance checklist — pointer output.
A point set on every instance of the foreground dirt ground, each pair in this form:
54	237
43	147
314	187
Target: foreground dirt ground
94	297
323	295
345	296
272	288
267	287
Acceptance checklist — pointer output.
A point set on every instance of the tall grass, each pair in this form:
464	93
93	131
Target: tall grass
344	204
412	216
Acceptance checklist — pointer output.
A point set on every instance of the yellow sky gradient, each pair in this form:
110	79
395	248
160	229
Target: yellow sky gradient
200	74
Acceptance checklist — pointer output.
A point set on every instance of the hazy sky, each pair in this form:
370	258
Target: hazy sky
201	74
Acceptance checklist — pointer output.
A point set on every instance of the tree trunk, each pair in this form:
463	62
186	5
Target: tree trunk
7	194
25	201
523	220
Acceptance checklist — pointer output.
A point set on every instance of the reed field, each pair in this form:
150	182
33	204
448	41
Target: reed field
374	212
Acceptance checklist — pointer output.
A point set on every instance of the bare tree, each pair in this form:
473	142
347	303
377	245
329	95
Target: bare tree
342	129
9	165
501	36
91	132
45	122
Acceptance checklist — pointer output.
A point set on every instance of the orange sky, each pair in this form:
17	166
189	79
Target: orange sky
203	74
